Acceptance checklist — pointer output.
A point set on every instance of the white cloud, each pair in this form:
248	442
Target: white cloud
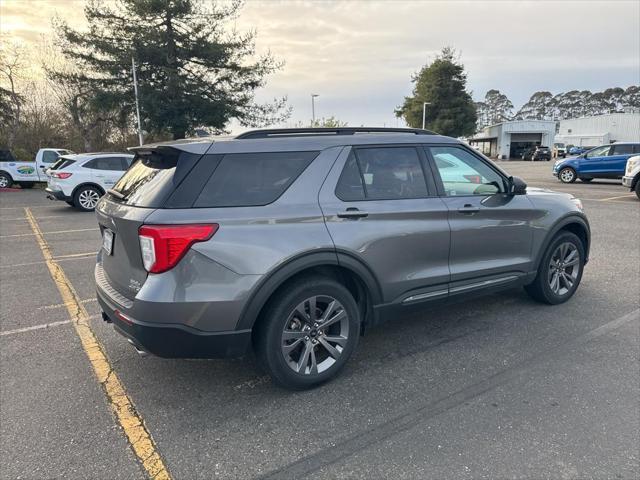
359	55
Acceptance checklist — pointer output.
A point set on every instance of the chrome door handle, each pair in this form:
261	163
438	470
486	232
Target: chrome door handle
468	209
352	212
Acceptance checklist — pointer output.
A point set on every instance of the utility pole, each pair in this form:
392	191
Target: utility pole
313	108
135	89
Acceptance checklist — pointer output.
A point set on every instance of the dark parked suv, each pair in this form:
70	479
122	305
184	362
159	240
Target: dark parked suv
295	241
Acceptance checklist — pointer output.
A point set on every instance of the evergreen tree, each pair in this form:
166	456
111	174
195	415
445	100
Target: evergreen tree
442	84
499	107
190	72
541	106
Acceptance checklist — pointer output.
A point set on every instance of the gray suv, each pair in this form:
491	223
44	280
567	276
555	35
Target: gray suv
293	242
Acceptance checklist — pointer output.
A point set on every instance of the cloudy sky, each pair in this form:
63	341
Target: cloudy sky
359	55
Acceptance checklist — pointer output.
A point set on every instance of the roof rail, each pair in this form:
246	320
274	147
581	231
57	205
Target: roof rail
303	132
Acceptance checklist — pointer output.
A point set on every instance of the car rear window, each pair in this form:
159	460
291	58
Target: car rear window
153	176
252	179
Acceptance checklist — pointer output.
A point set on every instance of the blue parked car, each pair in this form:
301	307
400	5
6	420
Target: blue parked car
578	150
607	161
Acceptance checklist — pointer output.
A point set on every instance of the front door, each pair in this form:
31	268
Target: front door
381	208
491	231
595	162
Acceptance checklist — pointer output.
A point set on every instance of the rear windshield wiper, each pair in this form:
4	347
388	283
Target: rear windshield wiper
116	194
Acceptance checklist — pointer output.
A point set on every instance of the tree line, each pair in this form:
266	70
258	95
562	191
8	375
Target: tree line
543	105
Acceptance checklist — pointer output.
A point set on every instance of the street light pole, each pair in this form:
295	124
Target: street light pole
424	113
313	108
135	89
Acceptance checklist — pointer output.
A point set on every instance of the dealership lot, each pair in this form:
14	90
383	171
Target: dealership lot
498	386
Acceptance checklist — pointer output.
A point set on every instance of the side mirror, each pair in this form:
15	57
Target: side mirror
517	186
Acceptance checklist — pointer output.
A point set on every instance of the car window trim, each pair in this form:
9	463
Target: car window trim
430	187
436	172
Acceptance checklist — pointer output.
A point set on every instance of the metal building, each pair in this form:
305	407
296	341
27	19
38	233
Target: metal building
511	139
600	129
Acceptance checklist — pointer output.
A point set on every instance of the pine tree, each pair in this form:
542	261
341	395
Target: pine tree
190	72
442	84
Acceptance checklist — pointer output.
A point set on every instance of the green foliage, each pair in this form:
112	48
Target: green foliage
191	73
330	122
23	155
442	84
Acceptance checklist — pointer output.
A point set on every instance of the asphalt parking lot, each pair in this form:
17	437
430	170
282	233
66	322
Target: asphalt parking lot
498	387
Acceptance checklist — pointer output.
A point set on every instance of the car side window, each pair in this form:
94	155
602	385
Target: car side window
125	162
391	173
623	149
104	163
463	174
49	156
599	152
350	185
636	148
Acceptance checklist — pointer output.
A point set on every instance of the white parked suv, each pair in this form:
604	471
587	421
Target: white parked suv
80	180
631	177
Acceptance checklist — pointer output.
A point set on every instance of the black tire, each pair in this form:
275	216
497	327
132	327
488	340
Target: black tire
69	202
540	289
637	189
569	175
26	185
84	192
5	180
586	180
281	314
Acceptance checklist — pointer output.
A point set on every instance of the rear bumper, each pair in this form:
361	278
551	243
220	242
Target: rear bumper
56	194
162	328
176	341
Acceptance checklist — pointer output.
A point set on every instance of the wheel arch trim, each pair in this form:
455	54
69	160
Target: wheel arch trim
561	224
86	184
283	272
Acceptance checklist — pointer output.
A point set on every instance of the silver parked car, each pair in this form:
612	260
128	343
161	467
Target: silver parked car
293	241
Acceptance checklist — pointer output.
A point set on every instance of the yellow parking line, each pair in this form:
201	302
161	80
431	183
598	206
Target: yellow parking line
129	419
629	195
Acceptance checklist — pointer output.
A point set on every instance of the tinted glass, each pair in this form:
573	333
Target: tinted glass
622	149
349	186
636	148
462	173
49	156
125	162
153	176
105	163
62	162
391	173
248	179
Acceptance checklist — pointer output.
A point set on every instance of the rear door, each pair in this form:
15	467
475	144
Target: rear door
491	232
106	171
381	207
617	160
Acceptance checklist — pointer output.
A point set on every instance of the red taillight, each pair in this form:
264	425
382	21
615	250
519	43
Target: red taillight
162	246
61	175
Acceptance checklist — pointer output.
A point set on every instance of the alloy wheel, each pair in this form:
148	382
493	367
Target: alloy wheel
315	335
88	199
567	175
564	268
4	181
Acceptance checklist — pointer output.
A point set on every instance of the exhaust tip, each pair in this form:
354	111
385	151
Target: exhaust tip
141	352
